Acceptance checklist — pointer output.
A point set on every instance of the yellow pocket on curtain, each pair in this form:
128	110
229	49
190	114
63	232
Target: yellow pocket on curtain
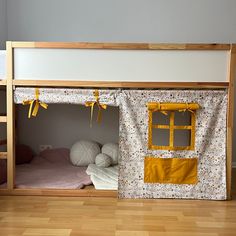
170	170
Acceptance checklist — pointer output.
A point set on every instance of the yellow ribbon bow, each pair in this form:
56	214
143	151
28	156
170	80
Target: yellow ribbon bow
158	108
187	108
99	105
37	104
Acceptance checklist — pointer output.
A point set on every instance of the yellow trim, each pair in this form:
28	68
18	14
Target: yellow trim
172	121
155	106
34	111
182	127
193	130
150	129
161	126
175	148
170	170
172	107
175	126
99	105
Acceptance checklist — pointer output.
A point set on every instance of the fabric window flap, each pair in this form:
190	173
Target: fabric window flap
154	106
170	170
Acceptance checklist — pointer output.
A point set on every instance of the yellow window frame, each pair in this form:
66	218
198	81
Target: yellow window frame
171	108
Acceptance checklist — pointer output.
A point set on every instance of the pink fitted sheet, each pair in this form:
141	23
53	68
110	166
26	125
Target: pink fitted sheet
52	170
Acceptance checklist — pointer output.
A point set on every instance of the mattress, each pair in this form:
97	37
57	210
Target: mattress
2	64
51	170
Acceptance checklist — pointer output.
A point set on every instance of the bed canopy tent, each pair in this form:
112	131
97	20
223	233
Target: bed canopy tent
166	79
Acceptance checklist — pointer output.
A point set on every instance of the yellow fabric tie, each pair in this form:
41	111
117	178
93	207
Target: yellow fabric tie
187	108
99	105
172	106
158	108
36	106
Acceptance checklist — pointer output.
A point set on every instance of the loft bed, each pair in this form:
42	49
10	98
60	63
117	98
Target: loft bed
149	78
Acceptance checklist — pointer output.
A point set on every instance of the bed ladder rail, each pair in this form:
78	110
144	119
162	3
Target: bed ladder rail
3	155
3	142
3	119
3	123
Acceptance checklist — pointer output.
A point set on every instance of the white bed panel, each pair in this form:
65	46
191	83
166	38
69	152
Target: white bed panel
2	64
120	65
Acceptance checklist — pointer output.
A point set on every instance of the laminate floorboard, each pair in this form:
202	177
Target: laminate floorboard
84	216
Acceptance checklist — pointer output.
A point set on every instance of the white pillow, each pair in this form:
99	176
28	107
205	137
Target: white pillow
83	153
102	160
112	150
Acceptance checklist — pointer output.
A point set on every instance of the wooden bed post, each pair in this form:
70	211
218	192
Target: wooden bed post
230	116
10	120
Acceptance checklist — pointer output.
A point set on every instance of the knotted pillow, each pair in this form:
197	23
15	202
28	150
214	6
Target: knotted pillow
84	152
24	154
102	160
111	150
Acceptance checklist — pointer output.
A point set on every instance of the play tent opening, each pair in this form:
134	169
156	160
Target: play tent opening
81	140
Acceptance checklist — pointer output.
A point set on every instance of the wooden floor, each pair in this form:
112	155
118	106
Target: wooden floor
64	216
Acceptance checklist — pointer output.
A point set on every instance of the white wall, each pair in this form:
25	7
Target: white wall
203	21
3	23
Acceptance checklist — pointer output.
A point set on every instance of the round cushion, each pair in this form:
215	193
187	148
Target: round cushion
83	153
24	154
102	160
112	150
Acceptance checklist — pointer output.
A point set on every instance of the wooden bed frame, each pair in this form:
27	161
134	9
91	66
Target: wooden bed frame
9	84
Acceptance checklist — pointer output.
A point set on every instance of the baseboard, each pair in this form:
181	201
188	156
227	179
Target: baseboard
234	164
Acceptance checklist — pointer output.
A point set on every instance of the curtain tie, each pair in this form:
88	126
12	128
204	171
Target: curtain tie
158	108
33	109
187	108
99	105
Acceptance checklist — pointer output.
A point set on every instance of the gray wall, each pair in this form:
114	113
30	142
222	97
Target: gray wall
123	20
62	125
3	23
3	37
203	21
